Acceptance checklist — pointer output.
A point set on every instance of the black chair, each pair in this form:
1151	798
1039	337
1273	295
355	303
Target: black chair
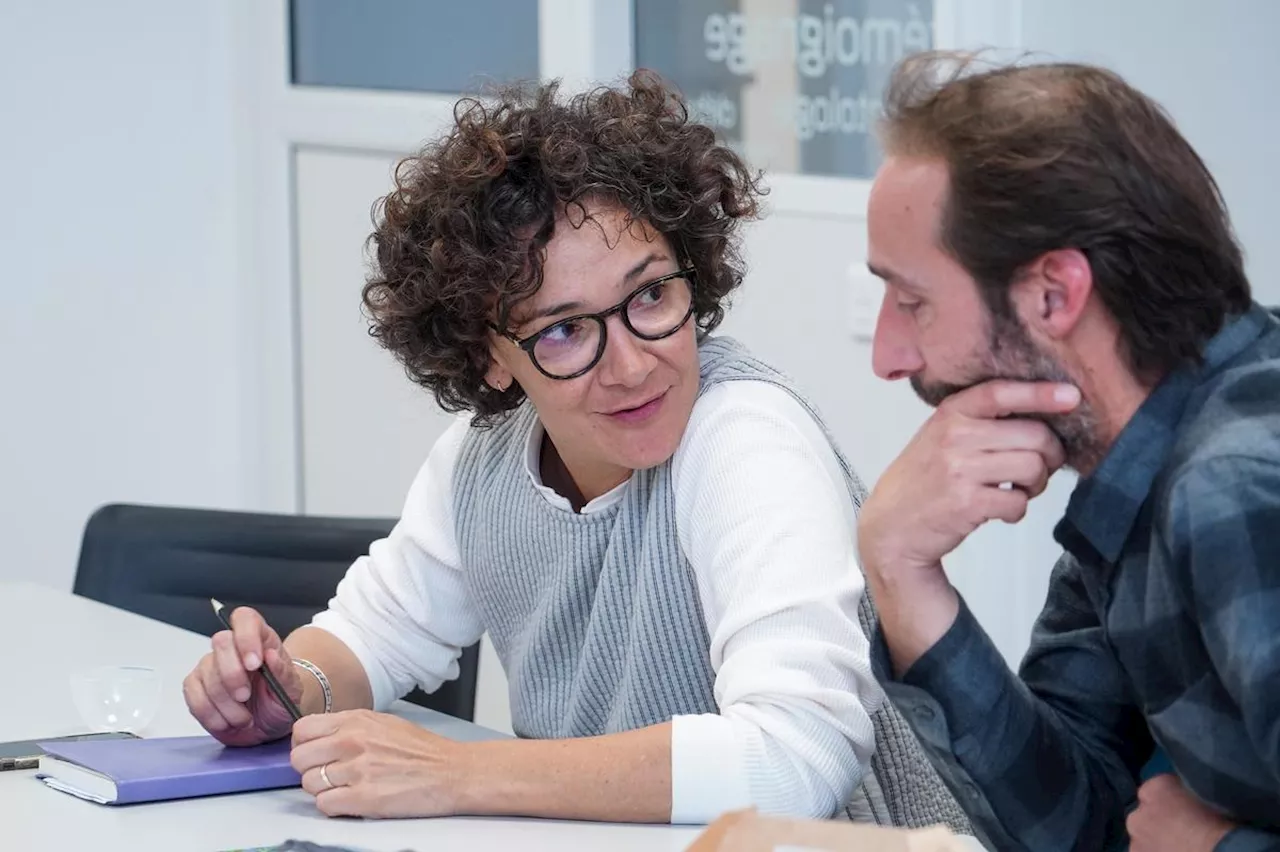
166	563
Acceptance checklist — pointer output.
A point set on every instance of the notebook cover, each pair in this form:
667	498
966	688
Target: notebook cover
302	846
152	770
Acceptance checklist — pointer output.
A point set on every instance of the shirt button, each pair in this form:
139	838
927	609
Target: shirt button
924	713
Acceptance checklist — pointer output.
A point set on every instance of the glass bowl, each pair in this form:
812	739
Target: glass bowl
116	698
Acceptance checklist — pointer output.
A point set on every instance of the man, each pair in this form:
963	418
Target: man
1063	284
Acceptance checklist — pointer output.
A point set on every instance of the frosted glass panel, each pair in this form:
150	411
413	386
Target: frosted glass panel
413	45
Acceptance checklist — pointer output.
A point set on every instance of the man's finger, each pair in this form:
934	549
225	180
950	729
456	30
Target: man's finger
1023	468
999	504
1133	825
1157	785
1009	436
1003	398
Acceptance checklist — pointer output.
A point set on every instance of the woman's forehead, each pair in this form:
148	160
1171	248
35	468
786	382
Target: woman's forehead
597	252
598	257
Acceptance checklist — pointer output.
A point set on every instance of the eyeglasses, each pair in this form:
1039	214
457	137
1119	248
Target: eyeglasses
571	347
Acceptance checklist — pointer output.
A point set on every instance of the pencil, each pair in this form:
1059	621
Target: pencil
266	671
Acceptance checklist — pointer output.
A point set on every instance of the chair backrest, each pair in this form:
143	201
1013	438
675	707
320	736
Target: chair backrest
166	562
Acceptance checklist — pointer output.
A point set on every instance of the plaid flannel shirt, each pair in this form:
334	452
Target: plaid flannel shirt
1161	626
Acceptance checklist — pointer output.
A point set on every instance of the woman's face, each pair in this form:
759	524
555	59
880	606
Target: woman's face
629	411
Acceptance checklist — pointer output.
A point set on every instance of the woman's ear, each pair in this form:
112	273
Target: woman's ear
497	376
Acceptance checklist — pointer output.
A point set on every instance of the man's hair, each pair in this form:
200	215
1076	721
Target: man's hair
462	237
1053	156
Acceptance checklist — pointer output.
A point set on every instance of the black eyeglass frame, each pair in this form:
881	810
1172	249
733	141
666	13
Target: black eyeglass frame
528	343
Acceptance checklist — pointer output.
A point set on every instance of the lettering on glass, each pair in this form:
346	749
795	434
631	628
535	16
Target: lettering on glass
795	85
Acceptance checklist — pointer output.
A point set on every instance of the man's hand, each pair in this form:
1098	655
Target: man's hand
978	458
946	483
361	763
1169	819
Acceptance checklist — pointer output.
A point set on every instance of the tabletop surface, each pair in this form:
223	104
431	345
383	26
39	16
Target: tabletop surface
45	634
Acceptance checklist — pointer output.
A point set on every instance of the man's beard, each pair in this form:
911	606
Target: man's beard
1011	354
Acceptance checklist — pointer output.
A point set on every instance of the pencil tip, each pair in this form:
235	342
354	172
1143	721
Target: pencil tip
217	604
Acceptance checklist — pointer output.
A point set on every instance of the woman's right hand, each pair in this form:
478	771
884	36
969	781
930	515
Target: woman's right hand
226	691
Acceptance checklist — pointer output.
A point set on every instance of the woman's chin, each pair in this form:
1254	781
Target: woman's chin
642	455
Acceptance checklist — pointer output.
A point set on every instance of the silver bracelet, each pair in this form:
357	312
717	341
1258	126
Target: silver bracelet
320	676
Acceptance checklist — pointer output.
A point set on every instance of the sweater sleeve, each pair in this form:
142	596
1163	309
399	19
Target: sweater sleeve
403	609
767	523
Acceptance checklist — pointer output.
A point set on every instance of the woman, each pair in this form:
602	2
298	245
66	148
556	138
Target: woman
653	526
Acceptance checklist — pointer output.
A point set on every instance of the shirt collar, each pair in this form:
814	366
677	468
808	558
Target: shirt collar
533	468
1105	505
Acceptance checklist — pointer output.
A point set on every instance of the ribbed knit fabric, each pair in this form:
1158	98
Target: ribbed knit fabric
597	618
904	789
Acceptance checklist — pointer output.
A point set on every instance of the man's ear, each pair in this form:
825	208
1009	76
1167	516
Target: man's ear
1050	295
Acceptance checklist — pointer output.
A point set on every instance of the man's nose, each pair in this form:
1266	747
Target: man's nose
894	354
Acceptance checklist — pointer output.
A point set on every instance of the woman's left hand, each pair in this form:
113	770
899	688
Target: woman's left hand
361	763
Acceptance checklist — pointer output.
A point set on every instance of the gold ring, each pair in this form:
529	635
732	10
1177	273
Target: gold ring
324	776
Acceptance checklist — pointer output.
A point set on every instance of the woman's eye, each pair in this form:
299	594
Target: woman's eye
565	332
653	295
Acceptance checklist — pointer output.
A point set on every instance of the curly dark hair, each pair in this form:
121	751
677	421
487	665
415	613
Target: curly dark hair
461	239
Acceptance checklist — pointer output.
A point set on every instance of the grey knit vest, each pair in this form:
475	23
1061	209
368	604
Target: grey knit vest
597	619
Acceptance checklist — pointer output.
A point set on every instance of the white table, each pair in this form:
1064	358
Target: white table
46	634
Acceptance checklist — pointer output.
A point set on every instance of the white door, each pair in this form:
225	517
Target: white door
348	431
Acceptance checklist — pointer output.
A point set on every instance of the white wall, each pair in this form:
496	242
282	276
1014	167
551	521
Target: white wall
366	429
122	345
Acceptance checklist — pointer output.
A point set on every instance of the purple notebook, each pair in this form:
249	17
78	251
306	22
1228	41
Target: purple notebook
122	772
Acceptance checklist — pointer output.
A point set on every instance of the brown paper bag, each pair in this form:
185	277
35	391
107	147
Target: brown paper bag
747	831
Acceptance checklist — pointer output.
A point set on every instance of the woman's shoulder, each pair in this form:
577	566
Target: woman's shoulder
758	434
723	358
731	412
